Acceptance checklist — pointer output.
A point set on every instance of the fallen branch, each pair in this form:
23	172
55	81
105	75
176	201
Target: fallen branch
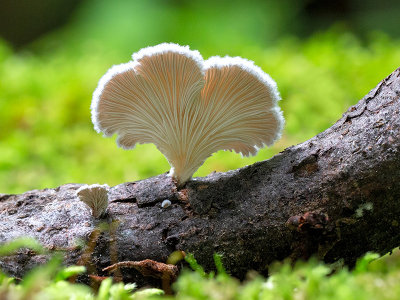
335	196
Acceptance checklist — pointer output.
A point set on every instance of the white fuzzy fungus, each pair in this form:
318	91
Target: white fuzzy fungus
189	108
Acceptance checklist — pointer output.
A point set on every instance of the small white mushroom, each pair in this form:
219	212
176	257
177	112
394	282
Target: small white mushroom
95	196
165	203
189	108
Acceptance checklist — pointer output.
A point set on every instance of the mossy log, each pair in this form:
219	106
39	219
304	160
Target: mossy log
335	196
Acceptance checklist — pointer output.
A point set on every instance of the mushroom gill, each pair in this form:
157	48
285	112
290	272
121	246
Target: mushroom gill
189	108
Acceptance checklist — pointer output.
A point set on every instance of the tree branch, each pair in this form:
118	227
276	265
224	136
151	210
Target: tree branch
335	196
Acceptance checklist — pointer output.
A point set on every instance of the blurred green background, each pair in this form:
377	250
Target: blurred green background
324	56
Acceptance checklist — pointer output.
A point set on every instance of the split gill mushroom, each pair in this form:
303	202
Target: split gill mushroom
189	108
95	196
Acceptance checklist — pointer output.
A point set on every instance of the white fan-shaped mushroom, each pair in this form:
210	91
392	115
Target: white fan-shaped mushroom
95	196
187	107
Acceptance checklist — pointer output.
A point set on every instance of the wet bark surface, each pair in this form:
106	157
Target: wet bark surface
335	196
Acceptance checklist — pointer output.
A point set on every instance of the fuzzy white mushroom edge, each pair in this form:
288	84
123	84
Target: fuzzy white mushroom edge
188	107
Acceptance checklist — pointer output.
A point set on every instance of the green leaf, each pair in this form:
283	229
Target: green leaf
23	242
194	265
362	263
104	290
67	272
146	293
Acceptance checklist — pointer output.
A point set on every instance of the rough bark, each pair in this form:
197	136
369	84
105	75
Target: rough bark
335	196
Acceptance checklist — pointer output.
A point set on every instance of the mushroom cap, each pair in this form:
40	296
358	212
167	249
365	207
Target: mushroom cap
95	196
189	108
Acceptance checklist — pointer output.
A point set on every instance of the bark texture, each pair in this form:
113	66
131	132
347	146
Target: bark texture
335	196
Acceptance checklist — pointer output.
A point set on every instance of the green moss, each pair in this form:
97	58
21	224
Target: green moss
372	278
